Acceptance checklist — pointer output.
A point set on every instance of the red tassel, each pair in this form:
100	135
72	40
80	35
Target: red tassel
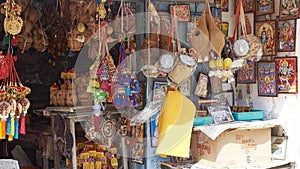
97	122
14	40
22	125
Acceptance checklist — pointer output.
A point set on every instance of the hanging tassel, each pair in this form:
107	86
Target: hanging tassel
6	40
12	129
97	122
16	129
14	40
8	124
0	129
3	129
22	125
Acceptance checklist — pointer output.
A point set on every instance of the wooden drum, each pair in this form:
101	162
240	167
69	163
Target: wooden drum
184	69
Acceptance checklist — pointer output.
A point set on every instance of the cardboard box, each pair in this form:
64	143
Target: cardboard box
233	148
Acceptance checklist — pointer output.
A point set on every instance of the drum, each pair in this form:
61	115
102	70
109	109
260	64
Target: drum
249	47
184	69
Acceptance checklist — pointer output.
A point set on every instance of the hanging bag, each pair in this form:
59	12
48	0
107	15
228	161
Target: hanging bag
208	36
248	46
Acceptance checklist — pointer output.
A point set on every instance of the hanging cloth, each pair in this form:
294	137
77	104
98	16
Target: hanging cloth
175	125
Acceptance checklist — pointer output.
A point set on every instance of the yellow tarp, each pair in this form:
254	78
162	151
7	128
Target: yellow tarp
175	125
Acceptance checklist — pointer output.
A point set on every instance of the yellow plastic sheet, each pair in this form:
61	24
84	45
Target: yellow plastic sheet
175	125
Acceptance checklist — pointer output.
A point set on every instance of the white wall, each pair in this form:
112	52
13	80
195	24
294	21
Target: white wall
285	107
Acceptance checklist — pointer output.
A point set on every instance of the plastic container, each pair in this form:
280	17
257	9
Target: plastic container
247	116
199	121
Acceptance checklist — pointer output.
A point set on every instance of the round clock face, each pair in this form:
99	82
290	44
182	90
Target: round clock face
167	61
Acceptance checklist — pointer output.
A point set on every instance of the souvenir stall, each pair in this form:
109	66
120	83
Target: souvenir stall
149	84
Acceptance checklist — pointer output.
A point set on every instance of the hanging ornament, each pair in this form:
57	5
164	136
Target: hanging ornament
25	106
101	10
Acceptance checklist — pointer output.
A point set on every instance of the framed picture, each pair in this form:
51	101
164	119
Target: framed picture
165	20
154	129
224	28
201	89
216	85
222	4
216	15
185	88
218	3
225	5
221	114
137	153
265	30
287	78
182	12
226	97
266	79
288	9
247	74
249	21
286	35
191	26
249	6
264	7
278	146
159	90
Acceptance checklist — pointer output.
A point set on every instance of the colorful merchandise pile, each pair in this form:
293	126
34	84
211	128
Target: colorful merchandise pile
92	155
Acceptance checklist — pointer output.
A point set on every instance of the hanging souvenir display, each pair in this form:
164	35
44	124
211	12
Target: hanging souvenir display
14	104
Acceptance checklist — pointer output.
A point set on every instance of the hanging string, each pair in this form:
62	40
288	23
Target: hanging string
243	22
236	20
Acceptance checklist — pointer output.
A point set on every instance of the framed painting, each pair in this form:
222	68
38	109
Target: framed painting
249	6
225	5
226	97
218	3
286	35
182	12
264	7
247	74
221	114
216	15
222	4
159	90
265	31
266	79
249	21
224	28
201	89
191	27
287	74
215	85
278	144
288	9
154	129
